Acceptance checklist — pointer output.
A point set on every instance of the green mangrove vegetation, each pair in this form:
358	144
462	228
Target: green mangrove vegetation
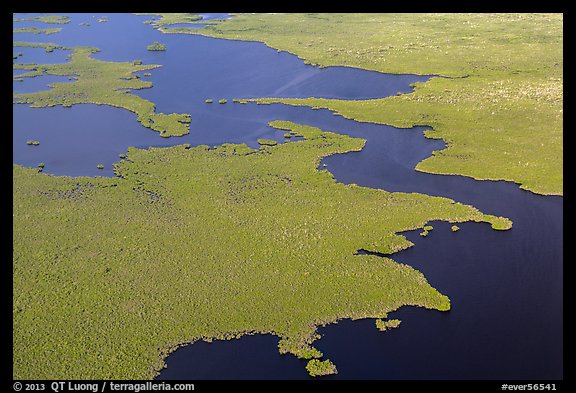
496	69
48	47
209	100
164	19
32	142
35	30
99	82
112	274
455	228
162	22
222	101
317	368
267	142
387	325
100	166
50	19
156	46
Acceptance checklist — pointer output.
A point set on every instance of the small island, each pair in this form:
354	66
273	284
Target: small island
156	46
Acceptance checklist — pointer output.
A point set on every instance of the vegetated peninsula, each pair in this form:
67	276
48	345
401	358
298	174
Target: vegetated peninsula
35	30
144	269
50	19
165	19
498	104
99	82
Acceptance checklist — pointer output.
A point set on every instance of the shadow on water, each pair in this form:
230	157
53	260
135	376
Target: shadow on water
505	287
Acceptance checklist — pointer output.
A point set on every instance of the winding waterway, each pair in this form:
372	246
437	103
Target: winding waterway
505	287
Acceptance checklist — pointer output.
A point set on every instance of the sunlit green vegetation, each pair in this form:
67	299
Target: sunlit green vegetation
100	82
51	19
156	46
48	47
267	142
455	228
35	30
100	166
387	325
317	368
301	349
428	228
112	274
500	110
209	100
171	18
32	142
222	101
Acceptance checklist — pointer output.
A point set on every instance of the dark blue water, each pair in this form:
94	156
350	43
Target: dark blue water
505	287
